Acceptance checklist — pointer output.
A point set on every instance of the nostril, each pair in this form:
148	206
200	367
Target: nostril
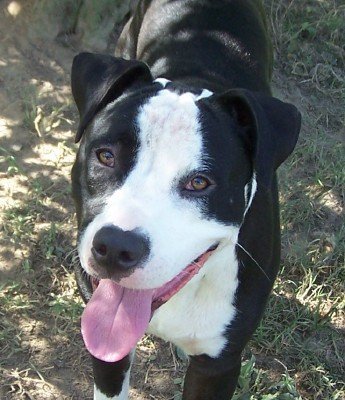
101	249
127	257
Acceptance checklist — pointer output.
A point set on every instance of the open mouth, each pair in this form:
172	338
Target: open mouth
115	318
169	289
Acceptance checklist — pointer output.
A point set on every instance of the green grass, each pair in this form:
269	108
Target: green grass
38	115
255	383
12	166
309	37
302	325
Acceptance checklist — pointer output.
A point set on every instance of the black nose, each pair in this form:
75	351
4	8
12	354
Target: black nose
117	250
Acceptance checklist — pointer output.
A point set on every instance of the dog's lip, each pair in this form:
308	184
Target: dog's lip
169	289
94	282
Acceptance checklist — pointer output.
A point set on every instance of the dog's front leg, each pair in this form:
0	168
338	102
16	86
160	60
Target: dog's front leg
211	379
111	379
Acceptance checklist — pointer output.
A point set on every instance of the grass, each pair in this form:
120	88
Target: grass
255	380
38	116
303	324
298	351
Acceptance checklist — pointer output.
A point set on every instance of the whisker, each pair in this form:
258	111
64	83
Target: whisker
247	252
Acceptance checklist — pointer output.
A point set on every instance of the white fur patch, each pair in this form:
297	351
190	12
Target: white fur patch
203	94
252	193
162	81
98	395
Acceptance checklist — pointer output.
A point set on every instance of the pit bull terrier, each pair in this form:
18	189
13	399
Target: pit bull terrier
175	189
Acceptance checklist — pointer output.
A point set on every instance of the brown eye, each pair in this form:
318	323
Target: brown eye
106	157
198	183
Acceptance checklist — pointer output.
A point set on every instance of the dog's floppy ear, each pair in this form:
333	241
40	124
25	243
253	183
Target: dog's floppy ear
99	79
271	128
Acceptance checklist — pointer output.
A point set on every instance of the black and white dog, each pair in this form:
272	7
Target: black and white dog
175	189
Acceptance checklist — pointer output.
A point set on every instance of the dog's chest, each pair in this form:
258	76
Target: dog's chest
195	319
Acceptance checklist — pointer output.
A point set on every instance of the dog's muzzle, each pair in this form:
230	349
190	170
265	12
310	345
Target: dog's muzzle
117	253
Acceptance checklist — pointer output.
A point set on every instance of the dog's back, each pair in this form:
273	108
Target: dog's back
214	44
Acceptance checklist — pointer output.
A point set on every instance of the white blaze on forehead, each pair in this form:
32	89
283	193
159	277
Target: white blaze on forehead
162	81
170	137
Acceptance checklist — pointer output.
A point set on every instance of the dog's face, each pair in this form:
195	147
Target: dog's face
152	171
165	176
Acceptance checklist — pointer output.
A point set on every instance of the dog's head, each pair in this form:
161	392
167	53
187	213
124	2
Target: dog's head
163	176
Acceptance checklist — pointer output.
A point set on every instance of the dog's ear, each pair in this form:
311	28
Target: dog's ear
270	127
98	79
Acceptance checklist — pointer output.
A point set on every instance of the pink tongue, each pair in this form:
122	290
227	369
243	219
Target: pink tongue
115	319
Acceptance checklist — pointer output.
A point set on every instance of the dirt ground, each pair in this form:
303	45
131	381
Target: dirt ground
42	352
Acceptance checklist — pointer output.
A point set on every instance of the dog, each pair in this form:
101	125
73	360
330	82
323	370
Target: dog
175	189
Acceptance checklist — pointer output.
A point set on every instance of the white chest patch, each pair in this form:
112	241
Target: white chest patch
196	317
